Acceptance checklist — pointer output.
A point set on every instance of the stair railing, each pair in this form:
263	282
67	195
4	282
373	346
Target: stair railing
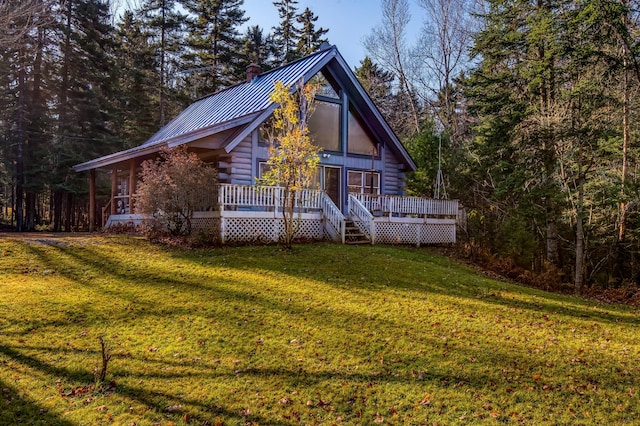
362	218
106	212
333	215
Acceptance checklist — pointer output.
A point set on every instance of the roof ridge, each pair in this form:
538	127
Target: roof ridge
288	64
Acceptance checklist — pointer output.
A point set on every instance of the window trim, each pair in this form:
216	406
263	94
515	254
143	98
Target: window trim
363	181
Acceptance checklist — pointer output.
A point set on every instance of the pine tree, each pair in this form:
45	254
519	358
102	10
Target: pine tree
286	34
164	25
393	105
214	42
545	91
86	110
135	56
310	38
257	47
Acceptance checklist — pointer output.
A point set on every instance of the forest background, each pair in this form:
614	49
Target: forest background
533	104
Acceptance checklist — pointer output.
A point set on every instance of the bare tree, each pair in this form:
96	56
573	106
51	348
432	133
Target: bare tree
441	55
387	46
17	17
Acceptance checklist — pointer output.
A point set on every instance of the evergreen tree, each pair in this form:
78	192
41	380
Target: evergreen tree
287	33
544	91
136	57
310	38
214	43
164	25
394	106
85	99
257	48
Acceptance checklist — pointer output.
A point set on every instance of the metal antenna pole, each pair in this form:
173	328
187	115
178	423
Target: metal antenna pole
440	188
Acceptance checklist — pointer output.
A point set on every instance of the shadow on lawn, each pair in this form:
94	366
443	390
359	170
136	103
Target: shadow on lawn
90	257
22	411
17	410
351	264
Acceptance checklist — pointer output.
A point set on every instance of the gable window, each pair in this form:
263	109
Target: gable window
264	130
325	87
362	182
324	125
359	140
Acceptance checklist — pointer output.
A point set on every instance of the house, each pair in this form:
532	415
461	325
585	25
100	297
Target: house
360	181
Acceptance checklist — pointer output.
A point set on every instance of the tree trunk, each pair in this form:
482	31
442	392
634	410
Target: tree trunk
162	62
30	224
69	212
553	254
57	211
580	239
22	87
619	271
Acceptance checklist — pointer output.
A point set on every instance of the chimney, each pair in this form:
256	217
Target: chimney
253	71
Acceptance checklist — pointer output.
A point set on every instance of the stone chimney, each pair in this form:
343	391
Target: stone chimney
253	71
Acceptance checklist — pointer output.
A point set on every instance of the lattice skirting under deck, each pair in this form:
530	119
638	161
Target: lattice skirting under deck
207	225
239	230
414	233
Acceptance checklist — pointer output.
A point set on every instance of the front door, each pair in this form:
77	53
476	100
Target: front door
331	184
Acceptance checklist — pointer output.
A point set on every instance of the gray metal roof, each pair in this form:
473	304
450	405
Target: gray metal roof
248	104
237	101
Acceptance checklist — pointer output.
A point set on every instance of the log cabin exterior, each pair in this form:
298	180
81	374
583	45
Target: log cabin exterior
359	195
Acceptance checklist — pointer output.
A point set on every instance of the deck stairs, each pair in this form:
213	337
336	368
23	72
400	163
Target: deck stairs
353	235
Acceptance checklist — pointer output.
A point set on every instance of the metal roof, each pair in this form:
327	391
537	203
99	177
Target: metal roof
237	101
248	104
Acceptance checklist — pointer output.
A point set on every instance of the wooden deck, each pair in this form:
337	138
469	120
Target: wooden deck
242	213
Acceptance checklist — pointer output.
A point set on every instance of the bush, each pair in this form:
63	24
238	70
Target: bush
172	189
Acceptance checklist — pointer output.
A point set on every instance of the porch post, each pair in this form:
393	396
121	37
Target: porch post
132	184
92	200
114	189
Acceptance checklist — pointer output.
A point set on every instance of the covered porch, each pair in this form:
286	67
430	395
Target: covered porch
234	214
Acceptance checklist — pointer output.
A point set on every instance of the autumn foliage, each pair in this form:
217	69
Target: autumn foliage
293	156
173	186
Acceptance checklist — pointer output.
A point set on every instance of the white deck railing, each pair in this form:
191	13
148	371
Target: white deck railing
362	217
400	205
232	196
333	215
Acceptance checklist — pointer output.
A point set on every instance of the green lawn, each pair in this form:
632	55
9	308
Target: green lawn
329	334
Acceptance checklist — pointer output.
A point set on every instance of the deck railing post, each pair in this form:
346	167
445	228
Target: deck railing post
373	231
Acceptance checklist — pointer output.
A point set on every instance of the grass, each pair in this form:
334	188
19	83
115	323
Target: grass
327	335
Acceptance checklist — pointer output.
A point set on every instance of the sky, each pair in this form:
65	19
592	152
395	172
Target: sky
348	21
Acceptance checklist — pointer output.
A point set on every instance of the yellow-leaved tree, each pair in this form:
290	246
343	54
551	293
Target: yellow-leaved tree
293	156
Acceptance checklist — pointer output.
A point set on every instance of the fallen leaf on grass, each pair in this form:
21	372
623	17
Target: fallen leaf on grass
427	399
323	403
174	408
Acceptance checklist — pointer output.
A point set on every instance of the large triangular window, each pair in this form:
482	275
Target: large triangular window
359	141
326	88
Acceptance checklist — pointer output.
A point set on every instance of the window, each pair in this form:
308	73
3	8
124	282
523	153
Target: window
326	88
264	130
359	141
362	182
263	168
324	126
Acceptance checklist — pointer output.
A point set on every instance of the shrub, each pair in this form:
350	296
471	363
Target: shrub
173	187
